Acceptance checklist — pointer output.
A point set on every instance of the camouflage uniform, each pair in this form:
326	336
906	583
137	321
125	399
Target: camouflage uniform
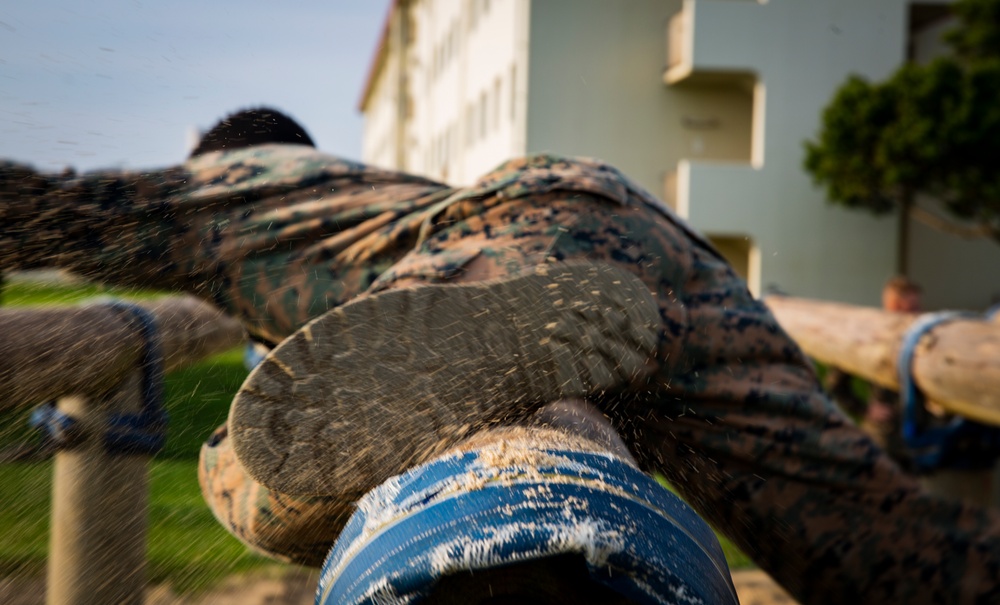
887	433
733	416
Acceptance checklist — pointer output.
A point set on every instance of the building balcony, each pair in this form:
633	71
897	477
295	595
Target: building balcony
700	40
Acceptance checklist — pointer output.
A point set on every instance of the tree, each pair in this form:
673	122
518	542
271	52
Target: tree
929	130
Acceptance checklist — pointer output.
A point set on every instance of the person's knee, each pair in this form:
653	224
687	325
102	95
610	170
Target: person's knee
295	530
581	418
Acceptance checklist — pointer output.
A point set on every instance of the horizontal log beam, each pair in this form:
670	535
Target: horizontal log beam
956	365
50	352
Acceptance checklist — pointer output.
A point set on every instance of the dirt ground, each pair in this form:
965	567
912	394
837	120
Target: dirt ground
757	588
296	588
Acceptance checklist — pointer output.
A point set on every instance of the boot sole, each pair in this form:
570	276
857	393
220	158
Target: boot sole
371	388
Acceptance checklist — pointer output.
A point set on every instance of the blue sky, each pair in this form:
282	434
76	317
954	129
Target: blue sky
123	83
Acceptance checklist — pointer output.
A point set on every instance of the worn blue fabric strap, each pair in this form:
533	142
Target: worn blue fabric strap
143	432
254	353
992	312
477	511
59	427
959	444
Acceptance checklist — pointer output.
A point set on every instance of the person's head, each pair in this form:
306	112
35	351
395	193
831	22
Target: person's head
900	295
250	127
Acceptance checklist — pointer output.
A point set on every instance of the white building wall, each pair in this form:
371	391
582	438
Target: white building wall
800	52
490	70
465	82
378	145
596	90
731	145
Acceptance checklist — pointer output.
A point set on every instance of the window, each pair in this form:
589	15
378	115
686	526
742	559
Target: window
445	148
483	115
496	103
513	92
469	124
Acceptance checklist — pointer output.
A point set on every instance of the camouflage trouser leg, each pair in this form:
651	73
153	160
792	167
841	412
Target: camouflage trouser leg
297	530
734	416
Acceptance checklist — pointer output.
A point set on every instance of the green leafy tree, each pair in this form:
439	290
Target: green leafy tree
929	130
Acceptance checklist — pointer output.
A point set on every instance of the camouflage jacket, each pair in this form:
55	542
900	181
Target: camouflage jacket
275	233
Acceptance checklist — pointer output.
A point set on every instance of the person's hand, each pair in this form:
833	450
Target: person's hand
879	412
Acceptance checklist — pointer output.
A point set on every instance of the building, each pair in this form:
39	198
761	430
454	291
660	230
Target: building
706	103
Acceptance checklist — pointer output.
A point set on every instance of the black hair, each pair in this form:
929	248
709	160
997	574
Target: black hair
249	127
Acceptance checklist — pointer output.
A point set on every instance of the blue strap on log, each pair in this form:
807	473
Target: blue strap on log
140	433
254	353
960	444
60	429
992	312
463	512
143	432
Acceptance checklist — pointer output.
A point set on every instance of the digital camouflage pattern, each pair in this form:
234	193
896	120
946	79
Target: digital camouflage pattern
733	416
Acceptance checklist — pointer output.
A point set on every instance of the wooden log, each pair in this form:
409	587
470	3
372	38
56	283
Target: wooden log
86	350
956	365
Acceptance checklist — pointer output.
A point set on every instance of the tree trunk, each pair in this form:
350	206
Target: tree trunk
903	235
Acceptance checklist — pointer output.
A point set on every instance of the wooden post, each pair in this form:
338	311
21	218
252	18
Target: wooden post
97	542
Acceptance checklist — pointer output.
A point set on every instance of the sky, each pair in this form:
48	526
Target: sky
126	83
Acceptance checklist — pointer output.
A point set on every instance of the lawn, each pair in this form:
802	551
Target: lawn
187	547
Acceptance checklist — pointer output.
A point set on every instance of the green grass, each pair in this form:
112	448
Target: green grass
21	294
734	556
186	546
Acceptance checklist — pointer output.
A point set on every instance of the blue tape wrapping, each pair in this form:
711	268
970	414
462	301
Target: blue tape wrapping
960	443
59	428
254	353
459	514
992	313
145	431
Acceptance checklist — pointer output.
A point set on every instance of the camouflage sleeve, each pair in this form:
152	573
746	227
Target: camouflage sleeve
116	227
746	434
838	384
275	234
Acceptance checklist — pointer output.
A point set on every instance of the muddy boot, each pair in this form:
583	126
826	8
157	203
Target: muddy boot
391	380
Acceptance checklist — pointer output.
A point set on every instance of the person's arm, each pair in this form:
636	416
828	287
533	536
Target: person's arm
838	384
268	233
118	227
